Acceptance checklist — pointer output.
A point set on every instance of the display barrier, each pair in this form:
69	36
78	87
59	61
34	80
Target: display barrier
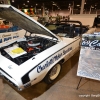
89	60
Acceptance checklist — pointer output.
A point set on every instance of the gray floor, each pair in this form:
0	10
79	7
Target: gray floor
63	89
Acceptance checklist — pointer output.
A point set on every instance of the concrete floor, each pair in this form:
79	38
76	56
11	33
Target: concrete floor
64	87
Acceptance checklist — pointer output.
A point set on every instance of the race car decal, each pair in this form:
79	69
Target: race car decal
52	60
26	79
5	37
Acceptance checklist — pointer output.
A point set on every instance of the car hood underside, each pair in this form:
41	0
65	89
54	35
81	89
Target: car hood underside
22	20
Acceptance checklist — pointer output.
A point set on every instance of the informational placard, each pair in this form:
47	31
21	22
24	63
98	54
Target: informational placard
15	51
89	60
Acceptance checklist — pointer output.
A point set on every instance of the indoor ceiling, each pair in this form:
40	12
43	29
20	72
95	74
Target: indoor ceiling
55	4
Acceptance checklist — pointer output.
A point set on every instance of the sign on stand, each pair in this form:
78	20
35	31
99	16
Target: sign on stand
89	60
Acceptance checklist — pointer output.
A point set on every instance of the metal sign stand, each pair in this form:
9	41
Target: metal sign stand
79	83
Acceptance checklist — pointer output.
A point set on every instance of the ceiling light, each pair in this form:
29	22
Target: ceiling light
78	5
12	0
26	5
39	9
92	7
54	4
28	1
69	6
58	8
1	2
85	3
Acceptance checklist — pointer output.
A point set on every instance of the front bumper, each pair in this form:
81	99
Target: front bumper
10	80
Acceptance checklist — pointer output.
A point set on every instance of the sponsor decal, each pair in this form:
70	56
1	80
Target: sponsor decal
52	60
94	44
6	37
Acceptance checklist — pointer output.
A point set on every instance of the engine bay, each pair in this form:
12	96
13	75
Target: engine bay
23	49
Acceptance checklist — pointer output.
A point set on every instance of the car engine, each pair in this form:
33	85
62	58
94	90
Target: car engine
22	50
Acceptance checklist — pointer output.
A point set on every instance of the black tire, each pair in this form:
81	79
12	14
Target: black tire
51	75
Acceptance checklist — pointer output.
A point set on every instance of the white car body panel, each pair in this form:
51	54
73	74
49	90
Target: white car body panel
34	69
16	72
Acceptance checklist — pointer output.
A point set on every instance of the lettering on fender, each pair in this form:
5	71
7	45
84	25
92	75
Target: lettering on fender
52	60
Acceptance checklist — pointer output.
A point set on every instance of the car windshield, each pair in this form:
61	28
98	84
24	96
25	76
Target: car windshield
66	29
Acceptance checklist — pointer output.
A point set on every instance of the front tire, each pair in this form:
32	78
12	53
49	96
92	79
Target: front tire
53	73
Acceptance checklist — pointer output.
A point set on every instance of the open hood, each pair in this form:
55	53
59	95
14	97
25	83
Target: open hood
22	20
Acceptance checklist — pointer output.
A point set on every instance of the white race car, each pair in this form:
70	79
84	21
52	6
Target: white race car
38	54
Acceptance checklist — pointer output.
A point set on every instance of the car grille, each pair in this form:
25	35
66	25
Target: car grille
27	85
